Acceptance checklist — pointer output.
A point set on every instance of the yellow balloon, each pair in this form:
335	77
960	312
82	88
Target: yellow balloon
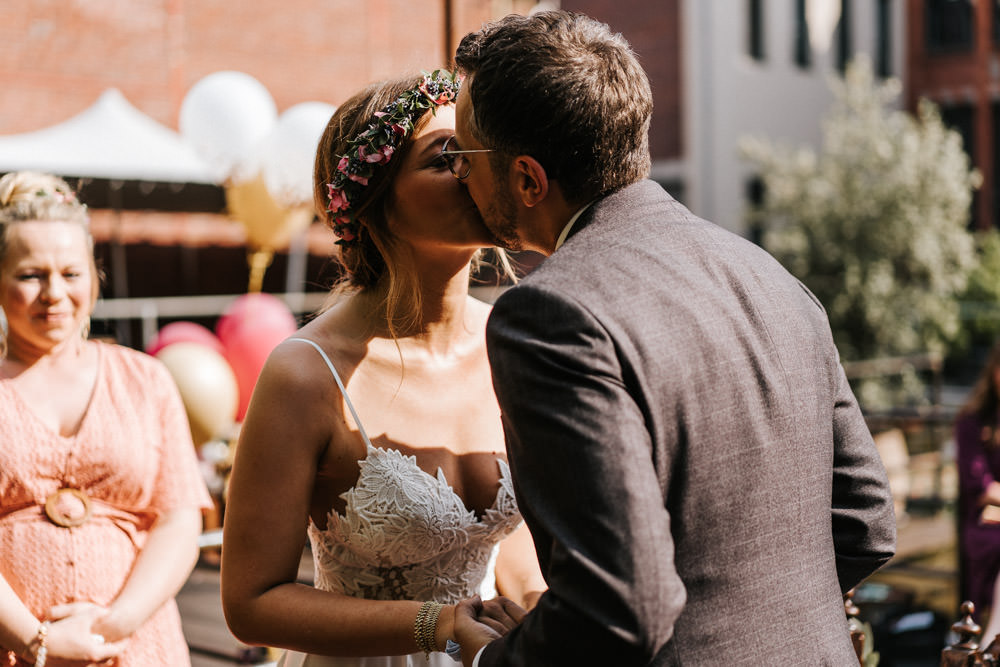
269	224
207	386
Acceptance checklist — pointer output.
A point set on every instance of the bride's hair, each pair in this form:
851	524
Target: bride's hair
372	259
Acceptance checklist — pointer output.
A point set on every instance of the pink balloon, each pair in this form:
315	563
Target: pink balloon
257	309
249	329
183	332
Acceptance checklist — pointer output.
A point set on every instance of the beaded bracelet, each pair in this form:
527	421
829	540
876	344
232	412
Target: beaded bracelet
425	626
42	652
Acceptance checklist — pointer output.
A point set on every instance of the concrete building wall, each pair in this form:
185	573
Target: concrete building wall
714	93
732	95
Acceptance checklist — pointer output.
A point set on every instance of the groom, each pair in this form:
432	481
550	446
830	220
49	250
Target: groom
695	471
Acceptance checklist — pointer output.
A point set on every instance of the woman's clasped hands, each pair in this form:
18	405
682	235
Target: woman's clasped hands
81	632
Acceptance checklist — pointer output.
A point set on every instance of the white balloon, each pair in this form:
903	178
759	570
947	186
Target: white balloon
285	157
224	117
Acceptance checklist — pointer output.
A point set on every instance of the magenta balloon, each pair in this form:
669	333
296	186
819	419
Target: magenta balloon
250	327
255	310
246	350
183	332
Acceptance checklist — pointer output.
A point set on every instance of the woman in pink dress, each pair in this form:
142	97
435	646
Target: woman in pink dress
100	494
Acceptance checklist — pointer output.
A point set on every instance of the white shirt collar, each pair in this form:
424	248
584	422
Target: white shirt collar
569	226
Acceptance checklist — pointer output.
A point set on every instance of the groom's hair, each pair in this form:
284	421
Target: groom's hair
562	88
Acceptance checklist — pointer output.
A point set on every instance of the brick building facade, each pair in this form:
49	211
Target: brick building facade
57	56
953	54
157	239
654	31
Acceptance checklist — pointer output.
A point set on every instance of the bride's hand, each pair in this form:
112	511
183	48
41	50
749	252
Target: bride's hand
445	629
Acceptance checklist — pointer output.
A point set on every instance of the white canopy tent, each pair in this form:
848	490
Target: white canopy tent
111	139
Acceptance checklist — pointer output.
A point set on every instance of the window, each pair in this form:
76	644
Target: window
961	118
845	47
803	52
949	25
996	22
755	29
883	37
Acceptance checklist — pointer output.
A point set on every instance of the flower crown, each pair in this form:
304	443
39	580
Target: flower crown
375	146
59	195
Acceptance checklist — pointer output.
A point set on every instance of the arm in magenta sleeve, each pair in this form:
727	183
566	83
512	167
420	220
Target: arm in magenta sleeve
974	474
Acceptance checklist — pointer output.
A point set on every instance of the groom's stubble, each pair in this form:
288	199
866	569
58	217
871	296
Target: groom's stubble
500	216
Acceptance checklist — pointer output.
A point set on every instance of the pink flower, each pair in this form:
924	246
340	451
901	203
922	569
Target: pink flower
377	157
387	152
342	165
444	94
338	200
342	228
357	178
398	129
379	114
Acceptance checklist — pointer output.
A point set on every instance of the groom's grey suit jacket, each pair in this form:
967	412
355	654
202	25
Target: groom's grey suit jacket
696	474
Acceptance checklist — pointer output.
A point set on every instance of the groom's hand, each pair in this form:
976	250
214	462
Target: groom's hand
477	623
501	614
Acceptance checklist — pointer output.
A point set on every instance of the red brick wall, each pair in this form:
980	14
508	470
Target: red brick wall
967	78
57	56
653	29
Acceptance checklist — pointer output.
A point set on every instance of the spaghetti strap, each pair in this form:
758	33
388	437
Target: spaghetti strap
340	384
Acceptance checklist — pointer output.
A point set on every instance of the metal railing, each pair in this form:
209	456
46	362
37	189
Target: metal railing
151	310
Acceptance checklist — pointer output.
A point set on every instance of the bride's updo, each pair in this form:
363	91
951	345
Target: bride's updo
364	260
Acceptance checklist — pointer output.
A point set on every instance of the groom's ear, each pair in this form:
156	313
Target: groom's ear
531	183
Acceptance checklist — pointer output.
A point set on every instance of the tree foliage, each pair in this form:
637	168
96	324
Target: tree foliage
875	223
981	298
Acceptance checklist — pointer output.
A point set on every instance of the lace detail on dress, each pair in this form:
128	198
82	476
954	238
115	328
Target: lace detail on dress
406	535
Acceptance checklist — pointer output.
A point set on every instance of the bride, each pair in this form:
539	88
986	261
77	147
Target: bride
374	430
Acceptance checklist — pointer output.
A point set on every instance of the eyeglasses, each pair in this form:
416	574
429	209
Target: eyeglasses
458	164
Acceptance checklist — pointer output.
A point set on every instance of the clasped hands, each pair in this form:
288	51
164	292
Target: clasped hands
479	622
81	632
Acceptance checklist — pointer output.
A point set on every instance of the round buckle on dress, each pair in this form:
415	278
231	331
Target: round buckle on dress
68	507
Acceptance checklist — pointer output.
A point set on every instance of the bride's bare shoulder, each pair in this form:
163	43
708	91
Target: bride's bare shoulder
303	359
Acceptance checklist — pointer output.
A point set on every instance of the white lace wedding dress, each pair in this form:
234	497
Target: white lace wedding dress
405	535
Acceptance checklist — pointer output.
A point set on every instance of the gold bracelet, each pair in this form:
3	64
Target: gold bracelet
425	626
42	652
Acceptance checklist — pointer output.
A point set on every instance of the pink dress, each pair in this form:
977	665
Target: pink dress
133	458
